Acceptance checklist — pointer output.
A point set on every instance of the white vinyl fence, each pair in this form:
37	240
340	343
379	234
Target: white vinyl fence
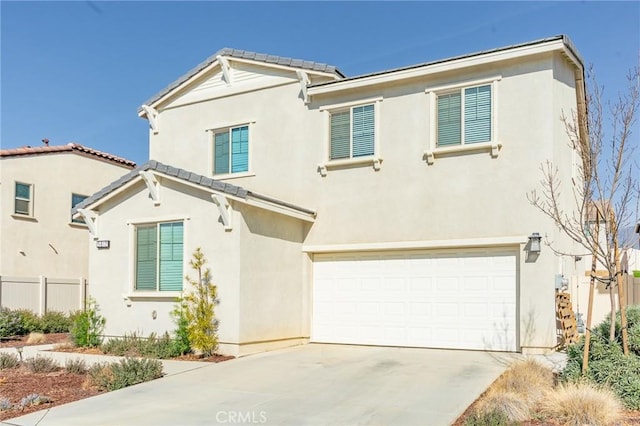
42	294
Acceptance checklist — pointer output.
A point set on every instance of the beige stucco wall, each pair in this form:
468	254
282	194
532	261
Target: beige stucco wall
469	196
52	245
255	266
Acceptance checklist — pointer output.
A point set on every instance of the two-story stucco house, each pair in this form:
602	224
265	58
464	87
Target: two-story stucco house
39	240
383	209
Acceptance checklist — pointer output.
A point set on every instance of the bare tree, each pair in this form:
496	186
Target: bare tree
607	190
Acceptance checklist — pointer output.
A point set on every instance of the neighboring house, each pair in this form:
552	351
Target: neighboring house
38	237
383	209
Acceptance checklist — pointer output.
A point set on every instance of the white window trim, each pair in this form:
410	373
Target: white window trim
493	146
375	160
132	293
30	214
212	144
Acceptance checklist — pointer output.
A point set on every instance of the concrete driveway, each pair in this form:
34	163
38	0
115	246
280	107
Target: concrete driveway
306	385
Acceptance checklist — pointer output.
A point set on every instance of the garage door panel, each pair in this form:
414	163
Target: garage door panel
456	299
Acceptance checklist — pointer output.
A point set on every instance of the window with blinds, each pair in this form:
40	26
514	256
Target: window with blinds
23	199
231	150
464	116
159	257
352	133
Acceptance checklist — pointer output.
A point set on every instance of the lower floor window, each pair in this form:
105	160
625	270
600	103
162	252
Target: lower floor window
159	256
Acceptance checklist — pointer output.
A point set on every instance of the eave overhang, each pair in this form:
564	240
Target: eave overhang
559	43
154	173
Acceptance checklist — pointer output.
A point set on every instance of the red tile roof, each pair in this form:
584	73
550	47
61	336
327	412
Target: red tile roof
70	147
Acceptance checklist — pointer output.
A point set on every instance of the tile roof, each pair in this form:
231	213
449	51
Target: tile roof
245	54
186	176
70	147
565	39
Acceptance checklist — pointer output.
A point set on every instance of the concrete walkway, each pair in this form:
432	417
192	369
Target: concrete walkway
307	385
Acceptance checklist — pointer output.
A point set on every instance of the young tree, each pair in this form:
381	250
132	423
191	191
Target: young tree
607	191
199	307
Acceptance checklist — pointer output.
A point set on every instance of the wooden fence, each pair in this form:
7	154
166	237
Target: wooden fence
42	294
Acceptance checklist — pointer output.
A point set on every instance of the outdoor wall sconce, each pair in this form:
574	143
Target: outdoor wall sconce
534	240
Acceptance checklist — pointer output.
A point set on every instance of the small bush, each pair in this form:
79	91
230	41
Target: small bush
151	347
491	418
162	347
55	322
608	366
511	405
88	326
582	404
199	307
8	360
181	344
529	379
11	323
633	320
42	364
127	372
128	345
5	404
35	337
34	399
30	321
75	366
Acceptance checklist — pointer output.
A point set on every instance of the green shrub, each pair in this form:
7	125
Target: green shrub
133	345
181	341
633	321
608	366
55	322
8	360
127	372
75	366
128	345
11	323
491	418
42	364
30	321
88	326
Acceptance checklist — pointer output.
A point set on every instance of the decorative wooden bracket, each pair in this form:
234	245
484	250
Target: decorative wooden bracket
303	77
224	208
226	69
429	157
152	185
152	116
91	219
494	149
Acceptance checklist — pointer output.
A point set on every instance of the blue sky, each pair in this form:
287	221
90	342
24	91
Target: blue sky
77	71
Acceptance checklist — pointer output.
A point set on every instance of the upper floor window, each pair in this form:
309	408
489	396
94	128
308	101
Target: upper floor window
159	256
231	150
24	199
352	132
75	200
464	116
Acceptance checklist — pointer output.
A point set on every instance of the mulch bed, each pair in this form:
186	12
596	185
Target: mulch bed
15	341
59	387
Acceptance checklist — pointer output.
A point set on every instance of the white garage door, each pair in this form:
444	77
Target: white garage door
447	299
